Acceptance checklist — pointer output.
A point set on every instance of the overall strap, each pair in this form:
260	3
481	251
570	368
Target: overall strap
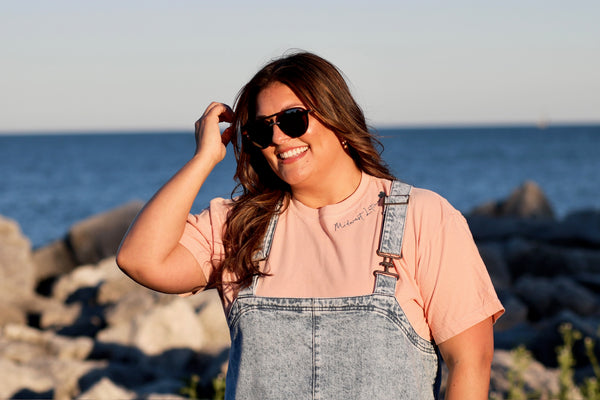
394	220
265	248
263	253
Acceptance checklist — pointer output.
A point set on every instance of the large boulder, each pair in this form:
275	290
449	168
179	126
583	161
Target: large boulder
53	260
526	201
17	273
17	270
98	237
546	297
580	228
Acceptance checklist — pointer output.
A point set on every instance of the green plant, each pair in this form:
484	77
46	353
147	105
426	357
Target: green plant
190	389
591	386
192	386
219	387
521	359
566	361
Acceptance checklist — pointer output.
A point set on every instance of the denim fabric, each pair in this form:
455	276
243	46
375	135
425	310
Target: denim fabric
360	347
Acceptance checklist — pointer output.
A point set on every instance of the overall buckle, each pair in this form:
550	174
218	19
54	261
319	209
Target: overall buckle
387	264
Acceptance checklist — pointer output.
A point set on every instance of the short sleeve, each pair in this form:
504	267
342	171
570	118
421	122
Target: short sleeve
203	232
455	286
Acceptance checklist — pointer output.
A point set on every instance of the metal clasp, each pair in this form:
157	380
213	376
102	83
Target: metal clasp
387	264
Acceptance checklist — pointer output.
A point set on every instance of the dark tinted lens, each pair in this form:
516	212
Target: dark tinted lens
260	133
293	122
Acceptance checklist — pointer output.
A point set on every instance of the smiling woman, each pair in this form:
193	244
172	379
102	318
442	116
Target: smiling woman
330	270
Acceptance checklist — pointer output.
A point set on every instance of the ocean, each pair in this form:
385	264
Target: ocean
50	181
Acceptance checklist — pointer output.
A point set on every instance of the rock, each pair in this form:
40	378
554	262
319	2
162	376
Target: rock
544	345
135	303
105	389
211	316
42	344
538	380
526	257
99	237
164	327
515	311
522	334
526	201
546	297
493	258
52	260
23	381
490	228
581	228
17	269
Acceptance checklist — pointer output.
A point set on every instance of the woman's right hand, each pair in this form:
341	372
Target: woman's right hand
150	252
210	143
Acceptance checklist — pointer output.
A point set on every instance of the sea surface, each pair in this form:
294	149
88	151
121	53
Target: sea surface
50	181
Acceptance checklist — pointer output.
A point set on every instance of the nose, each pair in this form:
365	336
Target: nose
278	135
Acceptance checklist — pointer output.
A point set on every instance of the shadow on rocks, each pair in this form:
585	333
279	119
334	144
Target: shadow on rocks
166	373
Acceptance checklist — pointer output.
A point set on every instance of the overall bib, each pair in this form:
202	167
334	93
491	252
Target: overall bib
360	347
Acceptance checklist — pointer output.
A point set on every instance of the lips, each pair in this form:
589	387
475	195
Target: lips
292	152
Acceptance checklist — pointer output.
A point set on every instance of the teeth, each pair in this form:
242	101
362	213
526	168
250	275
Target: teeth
292	152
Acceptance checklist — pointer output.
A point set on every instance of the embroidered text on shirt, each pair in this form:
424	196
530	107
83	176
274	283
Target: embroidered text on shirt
365	212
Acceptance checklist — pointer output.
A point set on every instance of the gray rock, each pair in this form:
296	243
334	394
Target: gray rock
86	276
99	237
537	379
581	228
105	389
211	317
493	258
17	270
164	327
526	201
17	378
526	257
546	297
549	338
43	344
515	311
53	260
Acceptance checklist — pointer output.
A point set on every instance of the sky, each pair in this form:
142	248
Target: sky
156	65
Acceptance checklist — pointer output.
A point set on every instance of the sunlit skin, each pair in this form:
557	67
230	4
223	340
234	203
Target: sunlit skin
315	165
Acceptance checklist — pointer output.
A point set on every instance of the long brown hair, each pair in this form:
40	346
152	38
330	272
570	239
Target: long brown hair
321	87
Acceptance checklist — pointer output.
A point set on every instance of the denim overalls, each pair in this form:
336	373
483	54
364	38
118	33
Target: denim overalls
360	347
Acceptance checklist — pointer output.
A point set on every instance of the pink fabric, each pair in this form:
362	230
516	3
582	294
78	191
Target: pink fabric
444	287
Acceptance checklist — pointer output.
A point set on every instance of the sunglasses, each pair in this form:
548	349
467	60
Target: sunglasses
293	122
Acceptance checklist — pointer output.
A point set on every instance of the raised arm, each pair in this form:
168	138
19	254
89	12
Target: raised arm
150	252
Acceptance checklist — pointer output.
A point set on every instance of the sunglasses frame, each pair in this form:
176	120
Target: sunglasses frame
251	128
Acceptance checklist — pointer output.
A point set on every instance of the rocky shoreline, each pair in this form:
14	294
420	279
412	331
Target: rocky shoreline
73	326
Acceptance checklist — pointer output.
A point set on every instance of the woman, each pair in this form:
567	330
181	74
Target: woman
319	302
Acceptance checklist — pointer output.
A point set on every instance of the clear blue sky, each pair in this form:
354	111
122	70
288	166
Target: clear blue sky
118	64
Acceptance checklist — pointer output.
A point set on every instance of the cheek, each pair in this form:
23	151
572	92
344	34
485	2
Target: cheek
271	159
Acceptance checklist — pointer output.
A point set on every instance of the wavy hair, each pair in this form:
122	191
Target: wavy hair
322	88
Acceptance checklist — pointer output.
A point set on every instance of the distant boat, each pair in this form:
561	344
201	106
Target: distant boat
543	123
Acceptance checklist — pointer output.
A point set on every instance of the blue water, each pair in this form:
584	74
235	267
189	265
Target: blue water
49	182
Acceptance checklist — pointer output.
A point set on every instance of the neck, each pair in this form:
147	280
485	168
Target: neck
340	185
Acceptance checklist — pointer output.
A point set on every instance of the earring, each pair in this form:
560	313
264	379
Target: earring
345	144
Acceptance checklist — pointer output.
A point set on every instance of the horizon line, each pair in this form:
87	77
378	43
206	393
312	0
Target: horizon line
377	127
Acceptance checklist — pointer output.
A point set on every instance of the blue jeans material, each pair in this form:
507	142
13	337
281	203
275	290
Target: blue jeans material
360	347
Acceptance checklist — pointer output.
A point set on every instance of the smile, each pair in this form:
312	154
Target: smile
292	153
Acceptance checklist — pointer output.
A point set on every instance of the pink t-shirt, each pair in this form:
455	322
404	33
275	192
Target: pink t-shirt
444	287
